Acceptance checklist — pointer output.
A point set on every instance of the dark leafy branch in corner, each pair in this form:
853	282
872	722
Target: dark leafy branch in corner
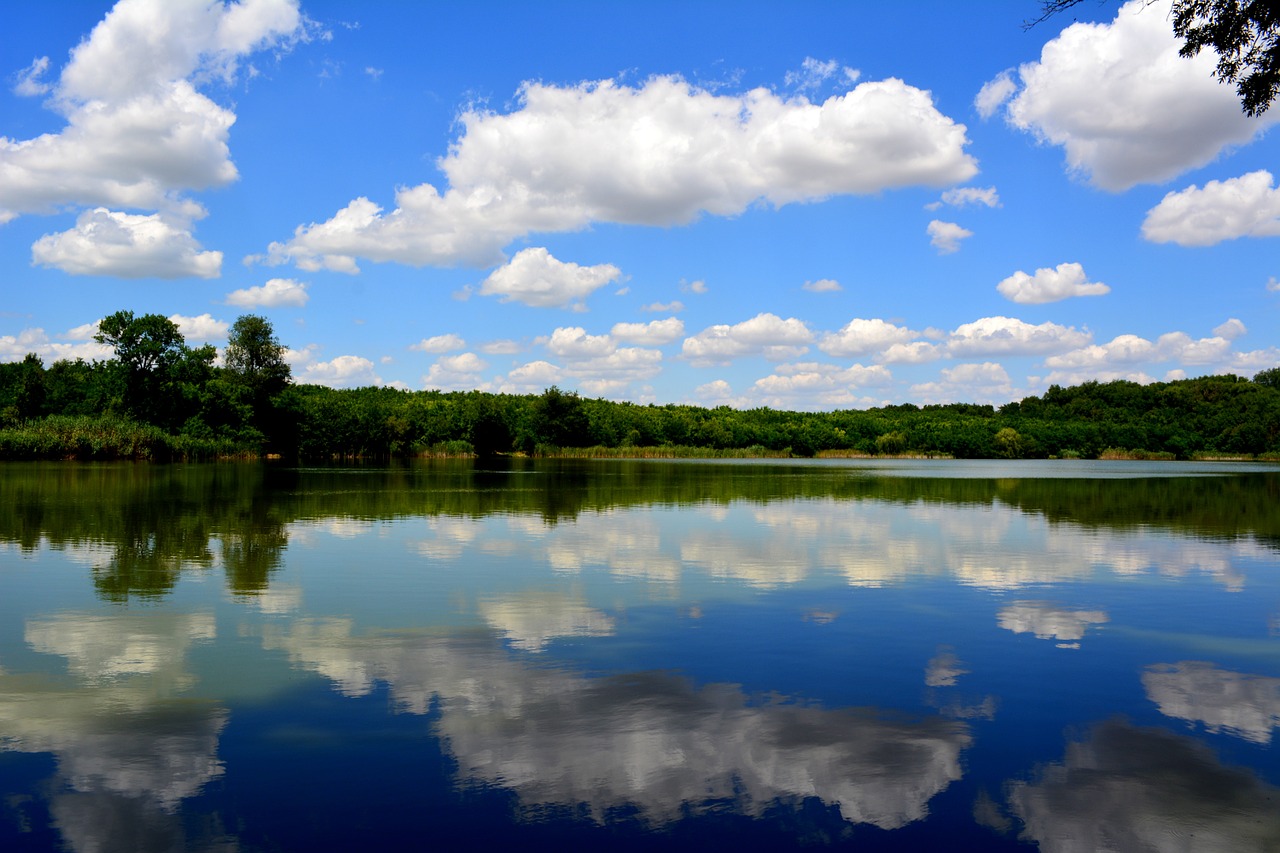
1245	34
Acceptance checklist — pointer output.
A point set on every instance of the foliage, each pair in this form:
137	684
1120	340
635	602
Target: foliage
180	405
1245	34
1224	415
255	360
104	437
25	386
157	374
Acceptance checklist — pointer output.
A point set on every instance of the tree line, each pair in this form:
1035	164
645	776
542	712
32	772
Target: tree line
159	398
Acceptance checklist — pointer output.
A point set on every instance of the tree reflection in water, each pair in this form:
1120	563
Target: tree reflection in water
622	652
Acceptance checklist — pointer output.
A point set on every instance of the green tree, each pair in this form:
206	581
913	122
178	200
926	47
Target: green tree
1010	443
490	432
256	357
255	364
891	443
148	349
1269	378
560	419
185	386
22	389
77	387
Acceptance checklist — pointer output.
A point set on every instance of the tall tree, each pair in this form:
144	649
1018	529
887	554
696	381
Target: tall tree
31	389
143	344
1244	33
149	349
256	357
560	419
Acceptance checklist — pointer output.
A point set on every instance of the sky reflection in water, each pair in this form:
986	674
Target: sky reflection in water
552	654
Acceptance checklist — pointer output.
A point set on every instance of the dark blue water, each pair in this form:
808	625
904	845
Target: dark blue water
640	656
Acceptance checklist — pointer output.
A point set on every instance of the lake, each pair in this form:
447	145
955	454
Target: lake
869	655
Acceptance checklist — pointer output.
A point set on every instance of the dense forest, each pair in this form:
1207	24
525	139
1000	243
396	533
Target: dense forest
160	399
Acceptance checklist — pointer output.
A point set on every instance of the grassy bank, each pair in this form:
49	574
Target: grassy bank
113	438
108	438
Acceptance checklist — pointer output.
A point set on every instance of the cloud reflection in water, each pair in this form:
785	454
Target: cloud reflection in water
532	620
1128	788
1247	706
1048	621
129	747
650	741
869	543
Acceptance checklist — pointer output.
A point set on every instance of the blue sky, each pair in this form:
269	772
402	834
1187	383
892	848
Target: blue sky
801	205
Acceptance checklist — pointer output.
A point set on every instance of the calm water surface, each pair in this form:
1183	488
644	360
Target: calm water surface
899	656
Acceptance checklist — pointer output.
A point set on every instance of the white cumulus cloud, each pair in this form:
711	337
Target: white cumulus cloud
439	343
717	391
664	307
1118	358
1121	350
1231	329
501	346
462	372
139	153
1009	336
822	285
964	196
1076	377
986	382
916	352
764	334
344	371
654	333
274	294
597	364
808	384
1181	347
1124	105
126	245
138	132
16	347
615	371
200	329
1050	285
994	94
1247	206
814	73
574	342
533	277
661	153
531	378
29	83
861	337
946	236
